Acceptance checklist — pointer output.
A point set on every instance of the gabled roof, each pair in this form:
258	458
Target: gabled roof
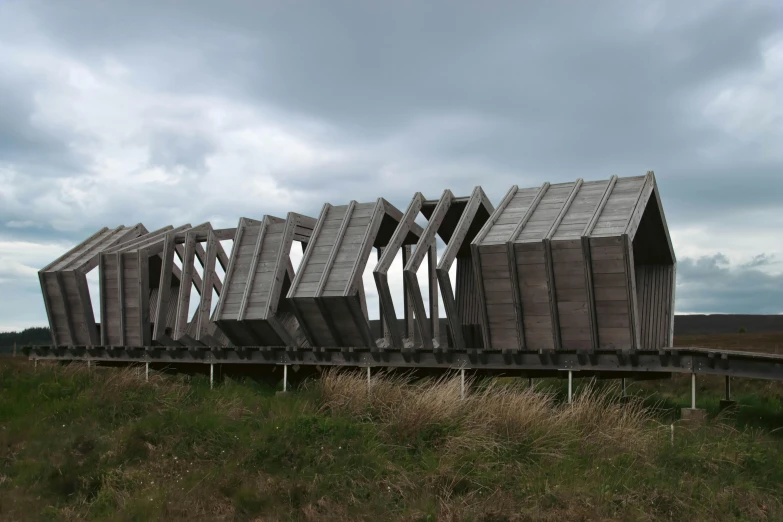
572	210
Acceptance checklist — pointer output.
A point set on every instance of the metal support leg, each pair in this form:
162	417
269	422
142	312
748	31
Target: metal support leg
368	380
623	386
211	375
728	388
462	383
89	365
285	378
35	364
570	386
147	372
530	382
693	391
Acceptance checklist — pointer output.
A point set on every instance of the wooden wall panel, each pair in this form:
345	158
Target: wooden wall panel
611	293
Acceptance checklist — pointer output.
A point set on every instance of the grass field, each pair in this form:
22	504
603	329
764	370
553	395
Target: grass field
105	445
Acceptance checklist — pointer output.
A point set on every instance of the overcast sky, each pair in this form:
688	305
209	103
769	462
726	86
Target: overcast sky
182	112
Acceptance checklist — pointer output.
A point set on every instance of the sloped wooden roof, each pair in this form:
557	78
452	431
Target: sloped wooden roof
569	210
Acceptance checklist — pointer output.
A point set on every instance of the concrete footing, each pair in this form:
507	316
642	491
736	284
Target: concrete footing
693	416
726	404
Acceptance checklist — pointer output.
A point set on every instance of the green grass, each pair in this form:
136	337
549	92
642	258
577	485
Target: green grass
105	445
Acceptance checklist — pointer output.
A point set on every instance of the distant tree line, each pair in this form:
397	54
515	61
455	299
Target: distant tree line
35	335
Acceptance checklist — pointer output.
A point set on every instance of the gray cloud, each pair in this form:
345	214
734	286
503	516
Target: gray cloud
164	113
711	284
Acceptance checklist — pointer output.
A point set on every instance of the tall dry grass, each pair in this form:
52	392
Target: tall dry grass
493	414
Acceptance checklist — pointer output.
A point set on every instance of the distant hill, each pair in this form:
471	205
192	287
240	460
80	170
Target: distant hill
725	323
35	335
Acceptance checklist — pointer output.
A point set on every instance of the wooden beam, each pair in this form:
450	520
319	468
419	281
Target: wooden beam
600	207
513	269
590	292
185	286
102	297
493	218
240	230
407	305
476	200
121	294
164	289
645	192
66	307
74	249
432	277
309	251
48	306
145	333
143	241
370	233
474	249
335	248
281	264
587	256
86	308
206	295
386	258
412	266
251	274
550	269
563	211
630	277
126	234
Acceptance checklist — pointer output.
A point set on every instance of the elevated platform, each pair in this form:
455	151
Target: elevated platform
604	363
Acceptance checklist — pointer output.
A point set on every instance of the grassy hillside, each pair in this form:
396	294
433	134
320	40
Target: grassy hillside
105	445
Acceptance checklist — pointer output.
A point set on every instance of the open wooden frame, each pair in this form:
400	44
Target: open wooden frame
66	292
253	309
327	293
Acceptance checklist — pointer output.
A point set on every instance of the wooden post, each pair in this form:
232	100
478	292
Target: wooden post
693	391
570	386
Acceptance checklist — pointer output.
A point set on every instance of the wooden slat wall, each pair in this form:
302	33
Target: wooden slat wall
348	251
568	264
534	293
510	216
57	315
110	301
241	256
259	294
322	246
654	287
581	210
501	316
619	207
611	292
131	302
467	299
545	213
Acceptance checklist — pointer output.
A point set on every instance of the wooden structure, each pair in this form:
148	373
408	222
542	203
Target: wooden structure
582	266
253	309
577	266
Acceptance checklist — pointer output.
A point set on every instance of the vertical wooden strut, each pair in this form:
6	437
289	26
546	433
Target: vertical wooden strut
475	251
251	274
185	286
409	273
327	270
202	321
385	262
588	262
513	268
553	309
164	288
